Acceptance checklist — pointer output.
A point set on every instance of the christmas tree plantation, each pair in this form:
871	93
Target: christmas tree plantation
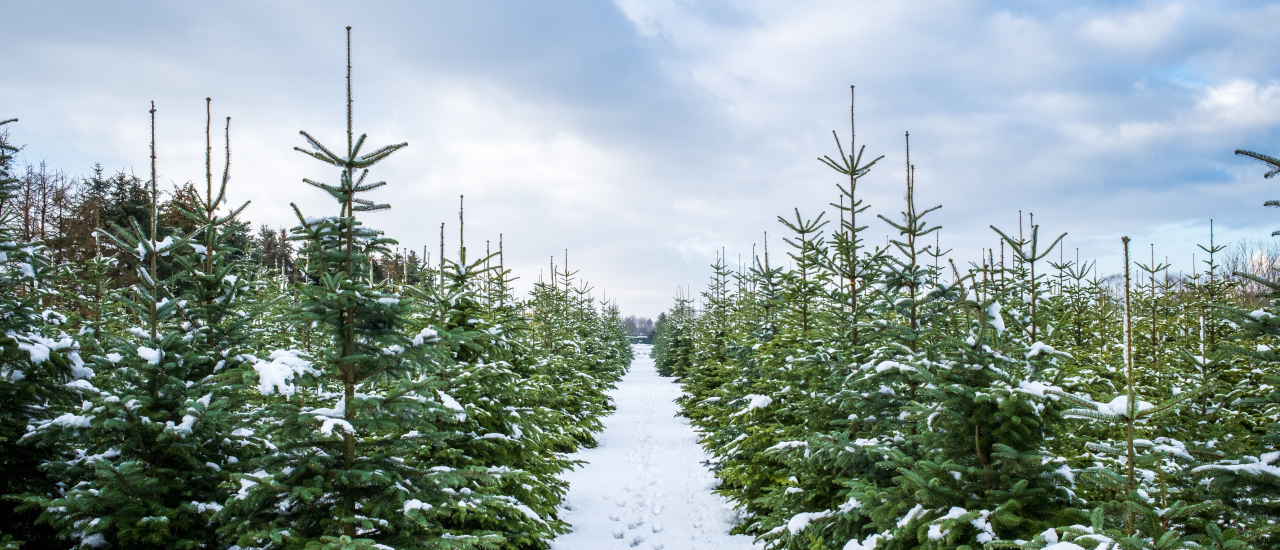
885	397
177	382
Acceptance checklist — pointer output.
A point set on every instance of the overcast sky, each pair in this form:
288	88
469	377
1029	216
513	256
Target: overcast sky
644	136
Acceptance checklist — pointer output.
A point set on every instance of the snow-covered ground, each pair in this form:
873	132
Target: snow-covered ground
645	486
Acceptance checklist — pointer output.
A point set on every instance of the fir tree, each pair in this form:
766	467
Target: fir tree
1273	168
848	264
1246	479
354	412
152	449
672	344
981	423
504	428
37	364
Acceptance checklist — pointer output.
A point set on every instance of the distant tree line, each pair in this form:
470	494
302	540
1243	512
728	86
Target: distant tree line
640	327
65	211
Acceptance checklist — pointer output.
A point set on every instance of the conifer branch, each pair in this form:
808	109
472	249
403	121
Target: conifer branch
1269	161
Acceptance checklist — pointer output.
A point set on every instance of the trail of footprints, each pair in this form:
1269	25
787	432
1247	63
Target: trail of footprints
645	487
636	513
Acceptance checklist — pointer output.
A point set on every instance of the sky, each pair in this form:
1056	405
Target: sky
645	137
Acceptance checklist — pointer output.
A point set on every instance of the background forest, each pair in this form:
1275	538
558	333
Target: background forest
860	396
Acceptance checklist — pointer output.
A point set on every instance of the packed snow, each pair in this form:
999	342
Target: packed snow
1256	466
452	404
278	375
755	402
993	313
1120	406
645	485
152	356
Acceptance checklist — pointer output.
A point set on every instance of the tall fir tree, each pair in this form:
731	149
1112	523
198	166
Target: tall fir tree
504	430
150	452
37	364
352	415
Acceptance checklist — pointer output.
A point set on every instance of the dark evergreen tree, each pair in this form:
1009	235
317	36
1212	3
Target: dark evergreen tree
152	449
1247	481
672	344
504	428
40	368
346	469
1273	168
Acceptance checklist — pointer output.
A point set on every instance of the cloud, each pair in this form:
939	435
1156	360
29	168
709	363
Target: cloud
647	136
1142	29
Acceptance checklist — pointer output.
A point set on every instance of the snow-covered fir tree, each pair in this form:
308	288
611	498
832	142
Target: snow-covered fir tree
149	453
1018	401
40	369
347	417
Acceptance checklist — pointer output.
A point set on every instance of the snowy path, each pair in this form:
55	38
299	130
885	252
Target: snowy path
644	486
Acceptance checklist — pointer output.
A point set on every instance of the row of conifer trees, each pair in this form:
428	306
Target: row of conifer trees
885	397
212	403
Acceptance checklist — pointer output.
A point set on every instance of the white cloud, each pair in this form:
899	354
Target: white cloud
1138	30
1240	104
645	136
